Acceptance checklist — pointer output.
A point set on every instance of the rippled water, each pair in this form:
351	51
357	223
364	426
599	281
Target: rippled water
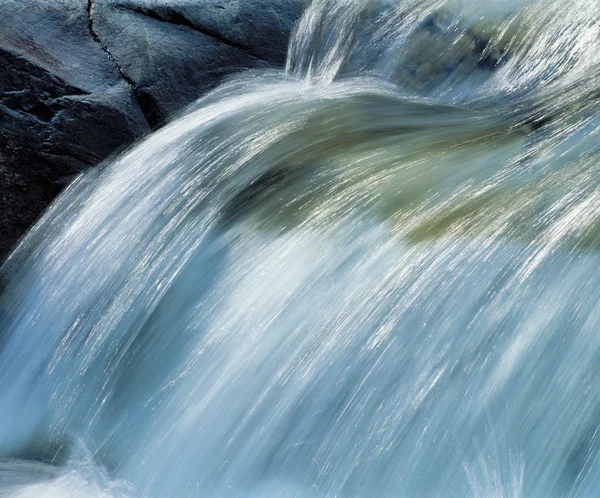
373	274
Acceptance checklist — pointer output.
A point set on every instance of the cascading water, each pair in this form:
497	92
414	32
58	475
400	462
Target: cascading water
373	274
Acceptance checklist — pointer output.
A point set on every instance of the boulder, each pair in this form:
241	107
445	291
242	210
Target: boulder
63	107
83	79
175	51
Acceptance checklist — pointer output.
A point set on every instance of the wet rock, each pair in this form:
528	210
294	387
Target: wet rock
82	79
175	51
49	132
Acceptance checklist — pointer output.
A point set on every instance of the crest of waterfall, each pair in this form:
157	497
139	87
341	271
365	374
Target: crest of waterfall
372	274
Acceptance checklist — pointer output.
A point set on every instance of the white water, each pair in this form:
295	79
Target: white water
375	274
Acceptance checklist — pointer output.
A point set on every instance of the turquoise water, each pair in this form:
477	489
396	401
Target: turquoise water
372	274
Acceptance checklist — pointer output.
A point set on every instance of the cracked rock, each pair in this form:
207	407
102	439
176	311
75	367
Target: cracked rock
175	51
63	108
82	79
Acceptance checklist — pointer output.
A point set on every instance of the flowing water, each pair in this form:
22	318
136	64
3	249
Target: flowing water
376	273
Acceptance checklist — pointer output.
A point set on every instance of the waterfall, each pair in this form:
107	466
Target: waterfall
372	274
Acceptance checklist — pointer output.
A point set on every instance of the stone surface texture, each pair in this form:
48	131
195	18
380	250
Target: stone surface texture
83	79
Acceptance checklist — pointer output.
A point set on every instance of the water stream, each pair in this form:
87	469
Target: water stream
373	274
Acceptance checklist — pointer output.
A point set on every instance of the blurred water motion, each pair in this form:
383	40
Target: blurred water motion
374	274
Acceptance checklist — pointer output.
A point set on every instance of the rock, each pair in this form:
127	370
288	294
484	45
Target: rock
80	80
63	107
49	131
175	51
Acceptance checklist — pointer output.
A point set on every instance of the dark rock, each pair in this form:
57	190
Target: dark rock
252	194
260	28
175	51
50	131
80	80
63	107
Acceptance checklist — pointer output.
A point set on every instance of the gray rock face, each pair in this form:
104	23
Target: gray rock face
174	51
259	28
58	95
81	79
